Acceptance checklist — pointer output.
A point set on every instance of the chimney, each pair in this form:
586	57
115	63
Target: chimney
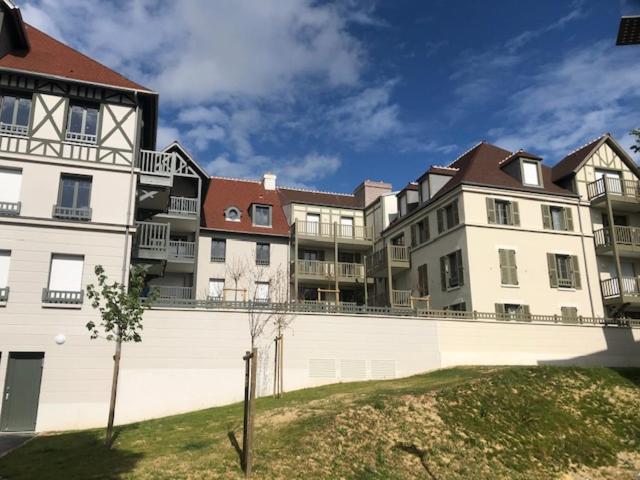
269	181
369	191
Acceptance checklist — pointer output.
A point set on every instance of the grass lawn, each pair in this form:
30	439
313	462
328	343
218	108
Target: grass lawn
462	423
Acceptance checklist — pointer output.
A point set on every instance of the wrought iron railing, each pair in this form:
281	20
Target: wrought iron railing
10	208
613	186
156	163
72	213
62	296
183	206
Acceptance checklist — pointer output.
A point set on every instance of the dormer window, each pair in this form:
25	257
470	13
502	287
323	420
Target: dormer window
261	215
530	173
232	214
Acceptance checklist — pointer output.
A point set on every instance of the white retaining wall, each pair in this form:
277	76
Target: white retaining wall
190	359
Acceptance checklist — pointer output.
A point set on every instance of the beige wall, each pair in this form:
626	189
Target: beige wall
327	214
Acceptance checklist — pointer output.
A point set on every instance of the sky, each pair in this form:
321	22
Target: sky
326	94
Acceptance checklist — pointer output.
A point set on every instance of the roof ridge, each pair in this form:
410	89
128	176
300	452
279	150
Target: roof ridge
469	150
509	156
455	169
593	140
235	179
309	190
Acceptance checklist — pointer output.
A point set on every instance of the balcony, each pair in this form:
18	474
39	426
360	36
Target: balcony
395	257
62	297
10	208
325	271
14	129
324	233
624	195
627	241
401	298
183	206
82	214
4	295
614	294
156	168
171	292
180	251
152	240
86	138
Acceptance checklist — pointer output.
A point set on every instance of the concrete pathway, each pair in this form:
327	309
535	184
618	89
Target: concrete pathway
9	441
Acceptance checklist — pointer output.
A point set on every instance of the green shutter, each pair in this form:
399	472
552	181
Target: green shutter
513	268
491	210
553	270
568	219
508	267
515	214
500	312
504	271
443	273
423	285
575	271
440	214
414	239
546	217
569	314
460	267
427	233
526	313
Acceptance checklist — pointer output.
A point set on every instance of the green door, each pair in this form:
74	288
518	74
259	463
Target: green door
21	392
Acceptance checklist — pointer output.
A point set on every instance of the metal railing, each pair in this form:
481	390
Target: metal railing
565	282
351	309
396	253
4	294
62	296
350	270
326	269
81	137
329	230
624	236
156	163
401	298
182	250
611	287
169	292
14	129
72	213
152	236
10	208
183	206
613	186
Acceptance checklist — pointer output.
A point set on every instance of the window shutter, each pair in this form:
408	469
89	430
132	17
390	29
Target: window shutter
440	214
553	270
66	273
575	271
504	271
10	181
5	258
491	210
443	273
513	268
460	268
456	215
427	232
500	312
546	217
515	214
423	280
526	313
569	314
568	220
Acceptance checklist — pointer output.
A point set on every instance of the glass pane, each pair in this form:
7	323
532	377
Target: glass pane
531	173
68	188
84	193
24	108
218	249
75	119
557	218
261	216
8	106
91	126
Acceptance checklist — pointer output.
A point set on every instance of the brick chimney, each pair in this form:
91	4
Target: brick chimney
369	191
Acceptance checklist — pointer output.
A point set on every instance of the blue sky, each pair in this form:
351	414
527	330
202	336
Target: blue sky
326	94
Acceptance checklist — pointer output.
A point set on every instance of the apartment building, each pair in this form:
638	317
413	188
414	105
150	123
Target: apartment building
492	231
70	133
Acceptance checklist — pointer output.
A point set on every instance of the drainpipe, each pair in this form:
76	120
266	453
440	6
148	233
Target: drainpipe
614	240
134	161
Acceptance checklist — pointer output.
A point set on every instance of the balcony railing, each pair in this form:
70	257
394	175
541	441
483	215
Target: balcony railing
613	186
152	238
183	206
182	250
350	270
10	208
401	298
396	253
624	236
81	137
14	129
322	269
611	287
72	213
4	294
156	163
331	230
62	296
169	292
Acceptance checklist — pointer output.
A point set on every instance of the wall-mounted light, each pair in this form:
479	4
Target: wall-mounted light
60	339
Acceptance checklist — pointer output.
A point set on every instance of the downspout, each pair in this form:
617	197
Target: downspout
584	258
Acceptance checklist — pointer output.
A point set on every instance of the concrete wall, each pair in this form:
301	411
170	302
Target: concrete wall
193	359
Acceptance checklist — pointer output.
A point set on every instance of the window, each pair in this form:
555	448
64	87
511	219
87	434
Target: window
512	311
14	114
403	205
82	124
423	281
620	220
398	240
263	253
569	314
262	292
346	227
216	289
424	191
451	270
262	215
564	271
232	214
74	198
557	218
5	260
448	217
420	232
530	173
65	279
10	183
612	178
218	250
508	267
503	212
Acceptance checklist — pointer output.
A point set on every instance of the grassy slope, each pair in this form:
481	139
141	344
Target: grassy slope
461	423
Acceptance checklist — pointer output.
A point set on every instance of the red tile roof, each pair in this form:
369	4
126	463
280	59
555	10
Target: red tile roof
225	192
50	57
571	162
519	154
292	195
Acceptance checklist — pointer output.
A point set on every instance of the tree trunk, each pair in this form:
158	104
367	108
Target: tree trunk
114	391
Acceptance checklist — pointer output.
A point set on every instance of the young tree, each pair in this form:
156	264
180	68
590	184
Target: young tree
121	310
236	269
282	317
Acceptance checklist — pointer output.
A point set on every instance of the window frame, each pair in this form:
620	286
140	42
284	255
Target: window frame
75	177
232	208
254	209
218	259
257	284
443	217
449	263
538	169
212	297
259	246
11	128
83	136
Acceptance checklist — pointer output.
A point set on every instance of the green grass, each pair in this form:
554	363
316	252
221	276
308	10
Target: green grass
481	423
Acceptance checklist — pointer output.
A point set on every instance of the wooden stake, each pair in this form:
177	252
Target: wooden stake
281	360
245	422
252	412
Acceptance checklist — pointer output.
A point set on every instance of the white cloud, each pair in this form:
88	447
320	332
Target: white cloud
167	135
